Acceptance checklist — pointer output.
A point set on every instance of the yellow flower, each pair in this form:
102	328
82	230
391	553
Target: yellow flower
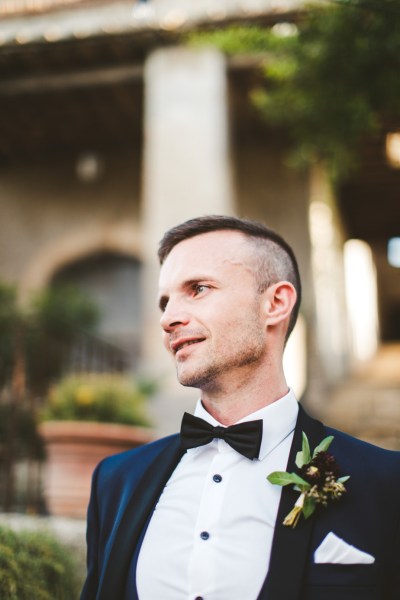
84	395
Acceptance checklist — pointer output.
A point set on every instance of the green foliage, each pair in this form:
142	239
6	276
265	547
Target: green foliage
235	40
8	305
34	565
61	311
59	315
28	441
105	398
10	317
331	84
44	330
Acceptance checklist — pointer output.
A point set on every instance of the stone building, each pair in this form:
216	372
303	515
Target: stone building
112	129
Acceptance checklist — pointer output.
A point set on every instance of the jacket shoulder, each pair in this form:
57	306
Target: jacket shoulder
353	444
370	462
353	454
113	469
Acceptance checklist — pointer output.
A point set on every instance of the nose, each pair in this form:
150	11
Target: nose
173	316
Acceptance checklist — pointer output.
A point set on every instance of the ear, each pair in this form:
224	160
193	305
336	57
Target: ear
280	299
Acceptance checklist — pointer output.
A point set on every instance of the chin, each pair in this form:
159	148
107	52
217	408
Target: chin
188	381
187	377
197	379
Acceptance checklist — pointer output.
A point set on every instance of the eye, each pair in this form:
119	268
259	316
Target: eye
199	288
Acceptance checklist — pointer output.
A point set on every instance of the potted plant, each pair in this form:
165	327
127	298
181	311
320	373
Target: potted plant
88	417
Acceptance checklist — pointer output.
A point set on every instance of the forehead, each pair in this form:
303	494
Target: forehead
214	252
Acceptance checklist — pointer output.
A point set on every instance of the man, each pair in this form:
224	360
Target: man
196	517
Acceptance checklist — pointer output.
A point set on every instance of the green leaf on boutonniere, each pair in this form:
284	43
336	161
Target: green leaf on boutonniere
283	478
304	456
323	446
308	506
318	480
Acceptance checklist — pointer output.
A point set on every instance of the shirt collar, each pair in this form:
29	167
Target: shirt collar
279	420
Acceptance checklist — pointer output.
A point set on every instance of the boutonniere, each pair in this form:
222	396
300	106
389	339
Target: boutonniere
317	481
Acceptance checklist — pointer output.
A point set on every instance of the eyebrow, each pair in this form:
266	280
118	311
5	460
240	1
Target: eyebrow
162	303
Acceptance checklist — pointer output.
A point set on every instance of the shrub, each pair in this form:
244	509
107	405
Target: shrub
34	566
28	442
105	398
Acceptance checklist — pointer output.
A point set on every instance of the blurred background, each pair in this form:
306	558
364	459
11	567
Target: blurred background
122	119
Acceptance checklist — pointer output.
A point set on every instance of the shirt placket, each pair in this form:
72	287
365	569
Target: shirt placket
203	568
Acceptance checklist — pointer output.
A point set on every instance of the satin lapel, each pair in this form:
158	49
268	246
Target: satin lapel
290	547
137	512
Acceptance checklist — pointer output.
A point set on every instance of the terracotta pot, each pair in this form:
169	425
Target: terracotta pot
74	448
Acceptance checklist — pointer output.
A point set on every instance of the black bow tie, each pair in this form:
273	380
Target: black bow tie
245	438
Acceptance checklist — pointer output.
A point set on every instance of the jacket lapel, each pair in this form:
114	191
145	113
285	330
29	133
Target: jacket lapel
290	547
137	512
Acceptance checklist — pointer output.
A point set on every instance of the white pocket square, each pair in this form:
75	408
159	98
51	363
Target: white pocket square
335	550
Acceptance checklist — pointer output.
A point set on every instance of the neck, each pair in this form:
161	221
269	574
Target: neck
229	403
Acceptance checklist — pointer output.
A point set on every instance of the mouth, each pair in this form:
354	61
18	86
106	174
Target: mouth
180	344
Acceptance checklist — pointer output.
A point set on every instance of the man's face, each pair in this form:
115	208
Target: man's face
212	313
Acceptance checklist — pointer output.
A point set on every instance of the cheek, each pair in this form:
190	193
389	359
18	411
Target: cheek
236	320
165	341
236	313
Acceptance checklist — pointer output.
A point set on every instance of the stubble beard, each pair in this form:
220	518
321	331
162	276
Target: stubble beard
247	349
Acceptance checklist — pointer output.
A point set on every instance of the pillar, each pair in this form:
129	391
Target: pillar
186	173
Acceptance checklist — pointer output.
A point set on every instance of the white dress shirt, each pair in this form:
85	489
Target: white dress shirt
210	536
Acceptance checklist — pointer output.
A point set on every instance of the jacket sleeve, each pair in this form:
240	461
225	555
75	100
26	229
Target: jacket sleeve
89	590
394	576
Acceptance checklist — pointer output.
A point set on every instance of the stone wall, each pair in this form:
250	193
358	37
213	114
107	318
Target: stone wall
49	217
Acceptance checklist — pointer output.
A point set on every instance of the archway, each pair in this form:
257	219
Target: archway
112	281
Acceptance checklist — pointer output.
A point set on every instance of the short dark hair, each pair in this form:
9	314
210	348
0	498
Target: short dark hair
276	260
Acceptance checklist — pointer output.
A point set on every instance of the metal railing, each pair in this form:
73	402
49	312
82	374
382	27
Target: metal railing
21	452
90	353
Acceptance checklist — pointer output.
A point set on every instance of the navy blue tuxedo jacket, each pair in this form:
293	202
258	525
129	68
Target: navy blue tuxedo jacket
126	487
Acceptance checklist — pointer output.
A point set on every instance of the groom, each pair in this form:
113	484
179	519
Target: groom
194	516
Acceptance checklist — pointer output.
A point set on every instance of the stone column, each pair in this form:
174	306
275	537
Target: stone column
186	173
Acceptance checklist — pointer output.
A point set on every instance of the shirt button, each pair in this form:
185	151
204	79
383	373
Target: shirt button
204	535
217	478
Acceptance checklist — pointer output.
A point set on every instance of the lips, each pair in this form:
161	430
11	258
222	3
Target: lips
183	343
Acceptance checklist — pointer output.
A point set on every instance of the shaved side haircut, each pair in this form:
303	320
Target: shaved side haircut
274	259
